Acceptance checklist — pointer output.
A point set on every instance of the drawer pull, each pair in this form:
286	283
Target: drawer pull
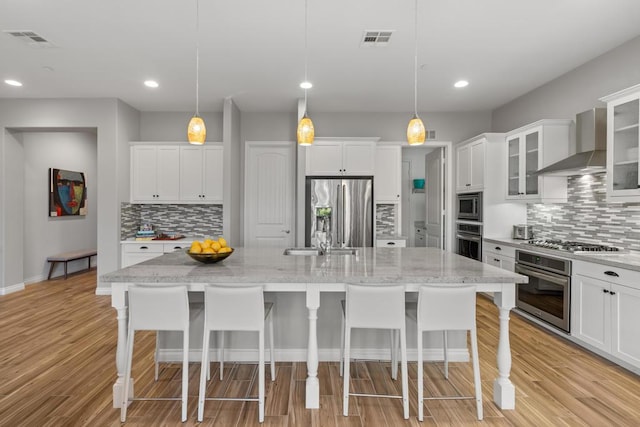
498	248
177	247
391	243
606	291
611	273
612	293
496	260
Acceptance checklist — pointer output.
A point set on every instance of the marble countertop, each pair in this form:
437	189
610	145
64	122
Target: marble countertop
623	259
370	265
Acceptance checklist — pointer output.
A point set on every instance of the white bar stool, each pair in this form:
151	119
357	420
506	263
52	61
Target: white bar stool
447	308
157	308
375	307
235	308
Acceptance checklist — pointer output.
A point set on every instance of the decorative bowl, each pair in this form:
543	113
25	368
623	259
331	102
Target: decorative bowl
209	258
418	183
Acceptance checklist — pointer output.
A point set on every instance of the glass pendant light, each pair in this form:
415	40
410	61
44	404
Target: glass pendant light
196	131
415	130
305	132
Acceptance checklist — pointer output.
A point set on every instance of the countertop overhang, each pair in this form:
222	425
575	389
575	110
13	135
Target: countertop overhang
266	265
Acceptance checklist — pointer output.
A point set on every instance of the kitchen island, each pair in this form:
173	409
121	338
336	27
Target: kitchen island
313	275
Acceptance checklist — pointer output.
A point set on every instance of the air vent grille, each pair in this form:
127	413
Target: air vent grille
431	134
30	38
376	38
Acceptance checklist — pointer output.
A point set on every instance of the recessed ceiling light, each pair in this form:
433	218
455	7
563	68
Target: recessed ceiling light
151	83
306	85
461	83
13	82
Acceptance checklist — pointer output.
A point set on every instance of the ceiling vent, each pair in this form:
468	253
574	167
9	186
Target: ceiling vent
30	38
376	38
431	134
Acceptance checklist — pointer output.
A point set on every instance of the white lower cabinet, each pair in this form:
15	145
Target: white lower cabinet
391	242
605	309
137	252
501	256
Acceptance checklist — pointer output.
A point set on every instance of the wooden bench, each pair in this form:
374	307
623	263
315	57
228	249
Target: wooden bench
70	256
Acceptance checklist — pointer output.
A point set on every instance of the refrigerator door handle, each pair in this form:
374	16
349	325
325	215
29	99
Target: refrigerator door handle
338	213
344	216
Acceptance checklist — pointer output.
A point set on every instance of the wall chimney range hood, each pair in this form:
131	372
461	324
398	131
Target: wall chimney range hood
590	147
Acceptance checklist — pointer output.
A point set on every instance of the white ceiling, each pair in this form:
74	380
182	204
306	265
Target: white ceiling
253	51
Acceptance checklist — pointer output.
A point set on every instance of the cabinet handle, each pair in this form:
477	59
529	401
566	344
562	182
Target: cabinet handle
612	293
498	248
606	291
611	273
144	247
496	260
468	185
391	243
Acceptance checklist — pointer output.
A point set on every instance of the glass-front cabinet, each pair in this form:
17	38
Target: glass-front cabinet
531	148
623	140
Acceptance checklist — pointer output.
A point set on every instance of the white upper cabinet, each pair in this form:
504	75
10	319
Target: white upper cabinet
341	158
155	174
531	148
178	173
623	140
470	159
201	172
387	180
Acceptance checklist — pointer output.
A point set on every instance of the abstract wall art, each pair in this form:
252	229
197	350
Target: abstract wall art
67	193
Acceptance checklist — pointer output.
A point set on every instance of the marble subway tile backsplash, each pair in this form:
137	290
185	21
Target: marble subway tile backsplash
587	216
192	220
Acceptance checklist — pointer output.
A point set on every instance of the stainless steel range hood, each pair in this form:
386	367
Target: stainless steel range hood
590	147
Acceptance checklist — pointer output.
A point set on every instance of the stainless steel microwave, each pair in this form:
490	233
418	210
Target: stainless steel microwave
470	206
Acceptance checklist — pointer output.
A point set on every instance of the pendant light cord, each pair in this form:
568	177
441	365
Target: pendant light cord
197	57
415	62
306	52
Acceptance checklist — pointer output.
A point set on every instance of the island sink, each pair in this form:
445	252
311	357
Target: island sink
317	252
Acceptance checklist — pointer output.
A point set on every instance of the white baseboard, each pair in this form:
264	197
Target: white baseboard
324	355
35	279
103	290
11	289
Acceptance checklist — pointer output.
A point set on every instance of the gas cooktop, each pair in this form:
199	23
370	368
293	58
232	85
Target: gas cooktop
571	246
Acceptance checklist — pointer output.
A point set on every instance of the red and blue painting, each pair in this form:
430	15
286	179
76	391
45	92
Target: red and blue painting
67	193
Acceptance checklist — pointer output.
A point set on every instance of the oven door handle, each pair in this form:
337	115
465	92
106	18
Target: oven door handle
469	237
558	280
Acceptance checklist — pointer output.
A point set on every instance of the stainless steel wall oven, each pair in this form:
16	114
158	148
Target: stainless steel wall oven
547	296
469	240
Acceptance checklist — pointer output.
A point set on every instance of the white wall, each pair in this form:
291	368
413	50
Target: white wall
172	126
44	235
575	91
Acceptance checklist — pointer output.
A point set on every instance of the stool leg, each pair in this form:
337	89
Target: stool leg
346	374
185	372
476	372
261	385
51	265
342	345
446	354
420	378
221	355
272	357
155	356
204	372
405	376
394	354
65	270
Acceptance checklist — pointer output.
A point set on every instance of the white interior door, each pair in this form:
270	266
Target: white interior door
434	176
269	183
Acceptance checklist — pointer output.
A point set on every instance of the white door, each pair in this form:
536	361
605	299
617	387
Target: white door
269	182
434	177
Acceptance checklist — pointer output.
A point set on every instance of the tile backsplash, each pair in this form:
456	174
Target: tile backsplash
587	216
192	220
385	219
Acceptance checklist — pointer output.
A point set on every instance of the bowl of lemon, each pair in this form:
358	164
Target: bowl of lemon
209	251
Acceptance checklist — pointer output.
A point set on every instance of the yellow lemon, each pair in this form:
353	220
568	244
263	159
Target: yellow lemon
194	244
195	249
208	251
215	246
224	250
205	244
223	243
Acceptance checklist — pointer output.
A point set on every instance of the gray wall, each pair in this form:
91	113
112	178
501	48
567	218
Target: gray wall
172	126
115	123
575	91
44	235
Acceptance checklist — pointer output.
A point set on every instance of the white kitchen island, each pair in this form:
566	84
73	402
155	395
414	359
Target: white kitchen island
314	275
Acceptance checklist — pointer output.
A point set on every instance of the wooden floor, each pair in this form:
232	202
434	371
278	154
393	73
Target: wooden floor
57	352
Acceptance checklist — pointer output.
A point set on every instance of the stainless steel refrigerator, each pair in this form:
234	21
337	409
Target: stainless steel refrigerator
341	209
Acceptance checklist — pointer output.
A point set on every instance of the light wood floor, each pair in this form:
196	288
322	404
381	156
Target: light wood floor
57	347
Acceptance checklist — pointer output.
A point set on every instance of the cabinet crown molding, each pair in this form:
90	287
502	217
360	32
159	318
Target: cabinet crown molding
173	143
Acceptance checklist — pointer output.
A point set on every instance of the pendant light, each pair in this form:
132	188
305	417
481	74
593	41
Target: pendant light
196	131
305	132
415	130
